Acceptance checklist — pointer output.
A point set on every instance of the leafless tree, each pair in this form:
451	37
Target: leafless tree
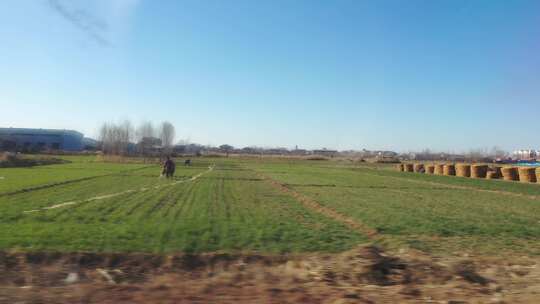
145	137
125	129
145	129
167	134
115	138
104	137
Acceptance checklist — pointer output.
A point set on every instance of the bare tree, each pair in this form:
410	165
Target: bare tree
128	131
167	134
103	137
145	129
115	138
145	137
125	136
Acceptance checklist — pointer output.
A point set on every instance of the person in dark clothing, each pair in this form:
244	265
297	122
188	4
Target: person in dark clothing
169	167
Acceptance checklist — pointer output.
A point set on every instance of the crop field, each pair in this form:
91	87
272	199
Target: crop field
426	212
260	205
211	206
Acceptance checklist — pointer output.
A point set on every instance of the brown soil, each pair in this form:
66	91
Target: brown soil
363	275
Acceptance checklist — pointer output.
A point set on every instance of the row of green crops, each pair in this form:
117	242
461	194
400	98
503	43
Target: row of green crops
226	209
417	208
232	208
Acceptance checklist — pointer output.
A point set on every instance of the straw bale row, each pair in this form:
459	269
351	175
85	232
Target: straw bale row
522	174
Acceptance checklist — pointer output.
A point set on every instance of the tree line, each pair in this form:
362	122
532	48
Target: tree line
124	138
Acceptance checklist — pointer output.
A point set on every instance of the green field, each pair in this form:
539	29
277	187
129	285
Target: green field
239	205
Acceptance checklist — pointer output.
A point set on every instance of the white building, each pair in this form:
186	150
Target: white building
526	154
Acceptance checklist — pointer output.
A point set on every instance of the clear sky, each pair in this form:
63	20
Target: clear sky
345	74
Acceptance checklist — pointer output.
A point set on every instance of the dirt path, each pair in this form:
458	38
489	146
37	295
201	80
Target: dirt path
106	196
313	205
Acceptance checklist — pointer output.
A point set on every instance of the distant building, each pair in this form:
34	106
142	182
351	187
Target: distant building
150	141
386	153
526	154
325	152
387	157
188	149
276	151
148	146
251	150
90	144
21	139
300	152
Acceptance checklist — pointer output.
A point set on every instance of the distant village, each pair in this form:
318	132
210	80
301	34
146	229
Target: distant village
69	141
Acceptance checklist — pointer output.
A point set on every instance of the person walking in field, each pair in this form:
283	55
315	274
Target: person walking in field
168	168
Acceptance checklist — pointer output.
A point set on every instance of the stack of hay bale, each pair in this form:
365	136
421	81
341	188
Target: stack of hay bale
449	169
510	173
493	173
527	174
463	170
408	168
439	169
479	171
522	174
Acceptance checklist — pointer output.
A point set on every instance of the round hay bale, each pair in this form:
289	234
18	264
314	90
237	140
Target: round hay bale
419	168
449	170
510	173
527	174
439	169
493	173
408	168
538	175
430	169
463	170
399	167
479	171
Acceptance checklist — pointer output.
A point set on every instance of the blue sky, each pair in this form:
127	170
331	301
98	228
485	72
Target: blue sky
401	75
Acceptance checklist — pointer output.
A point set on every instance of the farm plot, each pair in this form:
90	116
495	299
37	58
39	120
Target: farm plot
225	208
79	190
425	212
21	179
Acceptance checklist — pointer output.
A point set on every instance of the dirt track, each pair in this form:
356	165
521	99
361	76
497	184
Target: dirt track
317	207
362	275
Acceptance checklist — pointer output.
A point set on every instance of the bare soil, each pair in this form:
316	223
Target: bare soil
363	275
